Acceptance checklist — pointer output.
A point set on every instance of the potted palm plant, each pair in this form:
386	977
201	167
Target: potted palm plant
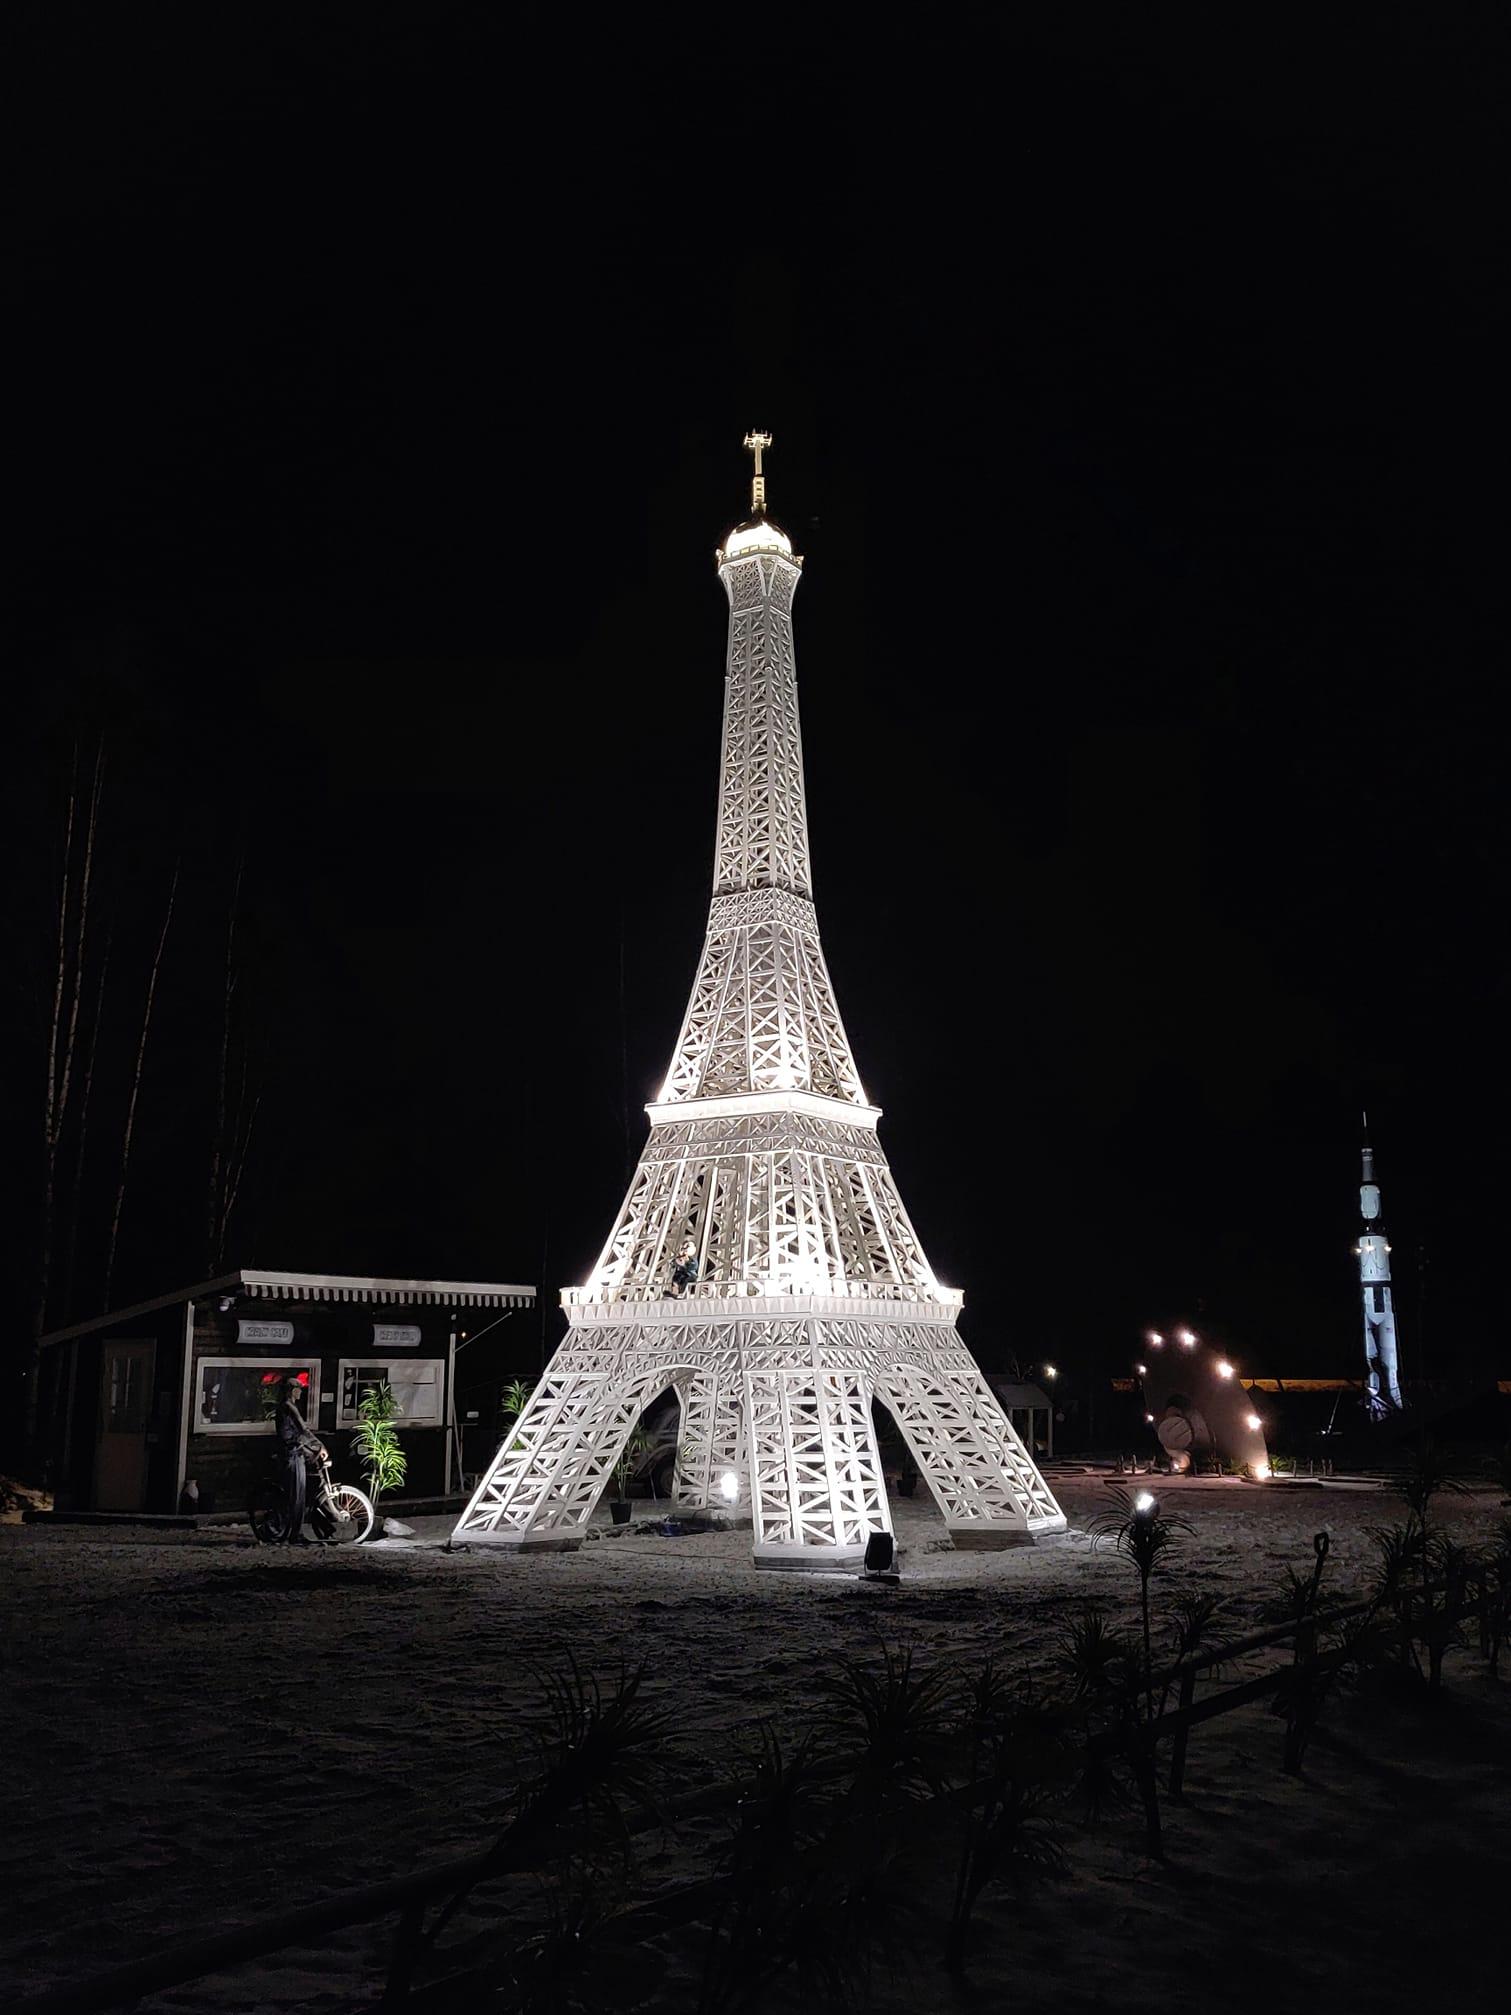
376	1443
625	1470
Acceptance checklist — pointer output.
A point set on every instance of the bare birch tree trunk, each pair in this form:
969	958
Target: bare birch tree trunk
62	1042
233	1126
81	1138
136	1085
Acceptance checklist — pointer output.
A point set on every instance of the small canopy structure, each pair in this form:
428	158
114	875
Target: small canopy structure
1031	1411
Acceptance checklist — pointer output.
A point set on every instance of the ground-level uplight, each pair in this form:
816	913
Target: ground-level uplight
1262	1472
1144	1503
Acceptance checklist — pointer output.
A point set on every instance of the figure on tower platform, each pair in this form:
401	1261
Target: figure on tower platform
763	1184
1382	1369
685	1272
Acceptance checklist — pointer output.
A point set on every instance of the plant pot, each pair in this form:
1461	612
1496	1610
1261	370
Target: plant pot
620	1513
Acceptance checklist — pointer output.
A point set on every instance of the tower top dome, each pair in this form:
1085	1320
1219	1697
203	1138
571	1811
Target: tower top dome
756	535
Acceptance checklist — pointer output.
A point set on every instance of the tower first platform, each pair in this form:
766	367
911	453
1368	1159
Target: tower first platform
763	1265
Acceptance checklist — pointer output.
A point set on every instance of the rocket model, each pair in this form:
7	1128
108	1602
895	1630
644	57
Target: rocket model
1382	1379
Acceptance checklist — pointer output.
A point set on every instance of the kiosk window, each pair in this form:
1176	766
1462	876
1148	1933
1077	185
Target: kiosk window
417	1385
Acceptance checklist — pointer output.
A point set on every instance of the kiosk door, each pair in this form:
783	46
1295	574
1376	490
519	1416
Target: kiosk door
120	1462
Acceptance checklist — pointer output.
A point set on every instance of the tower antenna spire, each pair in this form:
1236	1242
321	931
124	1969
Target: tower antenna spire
757	443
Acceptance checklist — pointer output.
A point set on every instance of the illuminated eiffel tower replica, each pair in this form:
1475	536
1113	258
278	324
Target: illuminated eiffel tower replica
763	1265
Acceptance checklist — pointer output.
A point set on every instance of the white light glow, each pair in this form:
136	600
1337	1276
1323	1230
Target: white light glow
1224	1369
1150	1418
1049	1371
1252	1420
729	1486
761	536
1155	1338
1188	1339
1140	1369
1262	1471
1144	1502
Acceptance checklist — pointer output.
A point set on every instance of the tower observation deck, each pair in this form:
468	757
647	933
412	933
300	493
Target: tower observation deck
762	1264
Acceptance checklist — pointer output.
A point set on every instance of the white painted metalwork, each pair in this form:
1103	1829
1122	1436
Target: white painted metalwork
1382	1357
813	1296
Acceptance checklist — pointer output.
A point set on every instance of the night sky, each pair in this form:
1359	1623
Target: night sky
377	386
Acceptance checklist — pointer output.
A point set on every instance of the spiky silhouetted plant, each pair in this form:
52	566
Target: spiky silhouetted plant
1021	1758
1101	1665
601	1750
1094	1656
778	1815
1430	1470
590	1958
1143	1537
1398	1549
1299	1597
598	1751
1448	1565
816	1882
1192	1617
901	1722
1292	1601
858	1906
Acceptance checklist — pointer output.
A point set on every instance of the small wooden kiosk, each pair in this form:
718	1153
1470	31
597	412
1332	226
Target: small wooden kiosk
178	1391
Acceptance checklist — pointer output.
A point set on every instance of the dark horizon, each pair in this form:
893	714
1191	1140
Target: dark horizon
1138	411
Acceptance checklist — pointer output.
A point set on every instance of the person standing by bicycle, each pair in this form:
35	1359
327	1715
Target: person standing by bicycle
295	1441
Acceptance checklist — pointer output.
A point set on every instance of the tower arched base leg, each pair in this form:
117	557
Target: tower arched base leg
782	1406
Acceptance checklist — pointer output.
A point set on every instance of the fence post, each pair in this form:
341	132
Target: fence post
1178	1754
1303	1681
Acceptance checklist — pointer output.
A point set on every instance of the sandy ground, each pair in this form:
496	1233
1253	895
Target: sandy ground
199	1730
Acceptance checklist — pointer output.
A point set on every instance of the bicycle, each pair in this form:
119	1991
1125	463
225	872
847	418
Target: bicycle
339	1513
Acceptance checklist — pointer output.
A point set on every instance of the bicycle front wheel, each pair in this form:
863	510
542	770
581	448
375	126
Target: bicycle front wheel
350	1513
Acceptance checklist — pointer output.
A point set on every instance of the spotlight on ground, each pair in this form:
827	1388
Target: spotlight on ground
880	1563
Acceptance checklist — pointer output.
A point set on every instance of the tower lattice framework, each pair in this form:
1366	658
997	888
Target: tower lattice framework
813	1296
